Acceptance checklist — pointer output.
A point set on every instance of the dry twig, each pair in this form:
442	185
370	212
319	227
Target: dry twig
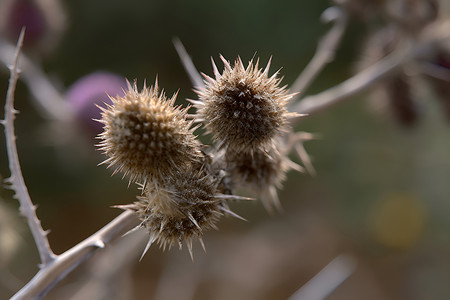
27	209
325	50
366	78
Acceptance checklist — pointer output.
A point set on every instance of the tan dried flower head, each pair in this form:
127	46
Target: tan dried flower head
243	108
262	172
146	136
181	208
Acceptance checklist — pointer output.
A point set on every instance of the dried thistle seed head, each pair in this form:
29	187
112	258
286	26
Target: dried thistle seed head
181	208
243	108
263	172
145	135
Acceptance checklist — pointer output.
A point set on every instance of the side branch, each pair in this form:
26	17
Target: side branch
27	209
325	50
366	78
191	70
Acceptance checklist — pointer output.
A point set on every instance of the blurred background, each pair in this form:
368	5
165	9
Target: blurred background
380	196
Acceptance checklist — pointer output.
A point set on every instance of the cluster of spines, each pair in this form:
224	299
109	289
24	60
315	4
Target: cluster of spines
184	190
145	136
181	208
261	171
245	110
149	139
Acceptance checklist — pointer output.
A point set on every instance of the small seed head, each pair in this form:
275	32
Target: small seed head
243	108
146	136
180	208
260	171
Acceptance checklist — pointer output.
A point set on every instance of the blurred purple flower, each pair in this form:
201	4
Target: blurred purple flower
26	13
44	21
92	90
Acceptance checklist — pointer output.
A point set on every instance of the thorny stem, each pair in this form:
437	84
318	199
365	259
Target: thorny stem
48	97
53	267
27	209
64	263
325	50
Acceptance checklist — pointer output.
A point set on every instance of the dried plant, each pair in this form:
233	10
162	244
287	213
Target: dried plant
146	137
185	185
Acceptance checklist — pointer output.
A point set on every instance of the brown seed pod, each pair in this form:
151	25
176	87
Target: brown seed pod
181	208
262	172
243	108
146	136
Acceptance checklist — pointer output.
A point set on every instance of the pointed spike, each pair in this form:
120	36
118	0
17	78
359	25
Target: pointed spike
266	70
307	136
267	205
132	230
226	63
232	197
194	222
99	244
106	161
202	243
215	70
129	87
293	165
233	214
275	200
305	158
156	87
161	227
196	102
125	206
189	245
149	243
144	88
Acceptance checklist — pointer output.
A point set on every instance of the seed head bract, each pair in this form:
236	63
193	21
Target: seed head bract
145	136
243	108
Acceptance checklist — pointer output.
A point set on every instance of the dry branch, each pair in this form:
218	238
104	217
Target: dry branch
17	183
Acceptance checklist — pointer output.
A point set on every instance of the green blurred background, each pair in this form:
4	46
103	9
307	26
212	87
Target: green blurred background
381	192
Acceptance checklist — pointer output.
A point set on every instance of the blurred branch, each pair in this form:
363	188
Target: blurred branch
327	280
325	50
27	209
186	60
434	71
366	78
40	86
64	263
105	277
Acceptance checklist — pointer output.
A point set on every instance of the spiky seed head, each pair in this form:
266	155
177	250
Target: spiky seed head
146	136
243	108
262	172
180	208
